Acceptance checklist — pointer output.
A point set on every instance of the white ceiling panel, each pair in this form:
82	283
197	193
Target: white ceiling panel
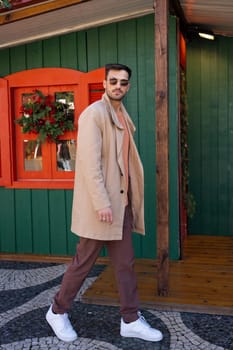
215	15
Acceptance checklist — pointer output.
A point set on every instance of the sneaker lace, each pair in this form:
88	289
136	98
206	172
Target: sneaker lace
142	318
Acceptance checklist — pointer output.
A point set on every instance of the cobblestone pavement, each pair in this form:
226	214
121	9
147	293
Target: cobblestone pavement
27	290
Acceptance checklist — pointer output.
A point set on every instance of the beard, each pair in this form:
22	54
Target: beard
115	97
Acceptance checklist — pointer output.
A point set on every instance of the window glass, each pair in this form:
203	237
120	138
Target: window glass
67	98
66	151
32	155
28	98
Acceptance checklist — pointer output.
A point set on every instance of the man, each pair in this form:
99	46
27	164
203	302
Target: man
108	205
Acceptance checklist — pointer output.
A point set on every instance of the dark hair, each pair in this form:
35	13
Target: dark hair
117	66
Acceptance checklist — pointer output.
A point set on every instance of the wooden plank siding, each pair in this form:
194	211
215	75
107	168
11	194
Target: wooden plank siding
38	221
210	107
174	71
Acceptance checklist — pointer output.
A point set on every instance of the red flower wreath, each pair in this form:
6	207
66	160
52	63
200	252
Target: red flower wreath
40	115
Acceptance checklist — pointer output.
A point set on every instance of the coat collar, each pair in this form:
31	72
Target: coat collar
113	115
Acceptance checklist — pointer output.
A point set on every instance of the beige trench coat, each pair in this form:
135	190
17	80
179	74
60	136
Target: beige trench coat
99	174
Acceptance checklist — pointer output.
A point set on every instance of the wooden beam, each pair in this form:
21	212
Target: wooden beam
36	9
60	259
162	117
16	4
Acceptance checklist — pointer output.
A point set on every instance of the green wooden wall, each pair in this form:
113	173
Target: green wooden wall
210	106
38	221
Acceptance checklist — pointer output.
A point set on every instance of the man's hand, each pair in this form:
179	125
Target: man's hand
105	215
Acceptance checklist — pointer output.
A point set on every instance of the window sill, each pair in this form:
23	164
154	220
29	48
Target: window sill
43	184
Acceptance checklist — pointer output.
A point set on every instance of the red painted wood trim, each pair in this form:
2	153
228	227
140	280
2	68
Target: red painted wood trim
44	76
182	52
4	134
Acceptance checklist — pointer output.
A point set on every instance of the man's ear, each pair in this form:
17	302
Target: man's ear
104	84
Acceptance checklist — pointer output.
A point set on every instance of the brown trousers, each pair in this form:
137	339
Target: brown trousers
122	257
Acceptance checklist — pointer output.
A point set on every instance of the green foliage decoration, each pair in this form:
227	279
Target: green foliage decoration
188	198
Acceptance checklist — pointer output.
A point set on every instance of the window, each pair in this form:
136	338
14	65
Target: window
34	164
47	160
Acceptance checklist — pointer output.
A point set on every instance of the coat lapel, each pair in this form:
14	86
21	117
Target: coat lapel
119	130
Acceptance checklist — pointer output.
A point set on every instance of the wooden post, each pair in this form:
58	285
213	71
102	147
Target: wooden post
162	138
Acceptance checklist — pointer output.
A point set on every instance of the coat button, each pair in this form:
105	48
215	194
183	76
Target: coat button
122	191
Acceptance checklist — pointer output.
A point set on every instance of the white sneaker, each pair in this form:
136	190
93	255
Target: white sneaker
61	326
140	329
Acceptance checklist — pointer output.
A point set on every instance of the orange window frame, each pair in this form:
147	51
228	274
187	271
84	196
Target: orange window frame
12	172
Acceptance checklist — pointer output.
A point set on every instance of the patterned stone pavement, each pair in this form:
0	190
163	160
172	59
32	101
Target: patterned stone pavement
27	290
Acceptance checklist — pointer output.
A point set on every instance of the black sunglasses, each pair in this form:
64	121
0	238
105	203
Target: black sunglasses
114	81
